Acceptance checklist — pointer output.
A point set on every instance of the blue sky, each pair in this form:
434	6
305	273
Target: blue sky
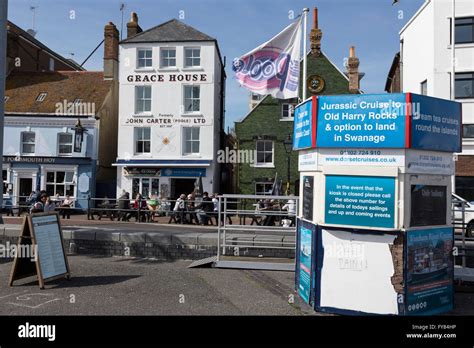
238	25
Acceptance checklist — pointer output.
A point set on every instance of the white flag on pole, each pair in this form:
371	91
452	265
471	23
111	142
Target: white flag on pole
273	67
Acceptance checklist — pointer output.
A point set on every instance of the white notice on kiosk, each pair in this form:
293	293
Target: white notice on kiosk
50	249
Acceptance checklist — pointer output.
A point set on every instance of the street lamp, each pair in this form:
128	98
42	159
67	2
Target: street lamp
288	143
79	131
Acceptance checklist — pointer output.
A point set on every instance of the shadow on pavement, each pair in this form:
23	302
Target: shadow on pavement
79	282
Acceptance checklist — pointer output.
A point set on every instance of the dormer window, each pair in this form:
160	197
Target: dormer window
41	96
6	99
77	101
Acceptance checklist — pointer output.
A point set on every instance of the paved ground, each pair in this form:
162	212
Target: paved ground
124	286
120	286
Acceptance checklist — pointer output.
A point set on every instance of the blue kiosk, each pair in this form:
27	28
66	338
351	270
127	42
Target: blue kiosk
374	231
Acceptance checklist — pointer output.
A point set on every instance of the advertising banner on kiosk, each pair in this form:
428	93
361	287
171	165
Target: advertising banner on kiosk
305	260
429	271
378	121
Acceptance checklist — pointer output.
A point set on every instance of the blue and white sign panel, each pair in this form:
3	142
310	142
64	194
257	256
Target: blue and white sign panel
436	124
362	121
360	201
303	134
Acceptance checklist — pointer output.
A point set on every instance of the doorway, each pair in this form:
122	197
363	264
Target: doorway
179	186
25	187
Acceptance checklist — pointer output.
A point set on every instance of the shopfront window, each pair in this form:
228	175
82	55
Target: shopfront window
5	181
146	186
60	182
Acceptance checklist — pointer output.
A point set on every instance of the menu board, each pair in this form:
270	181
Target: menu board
41	235
428	205
308	197
51	256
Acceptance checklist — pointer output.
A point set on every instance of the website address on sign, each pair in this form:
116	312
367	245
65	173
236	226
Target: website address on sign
362	159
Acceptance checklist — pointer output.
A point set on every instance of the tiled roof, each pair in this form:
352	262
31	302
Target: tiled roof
22	89
171	31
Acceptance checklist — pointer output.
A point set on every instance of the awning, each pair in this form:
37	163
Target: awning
161	163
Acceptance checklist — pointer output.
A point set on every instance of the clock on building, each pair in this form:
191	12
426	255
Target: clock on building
315	84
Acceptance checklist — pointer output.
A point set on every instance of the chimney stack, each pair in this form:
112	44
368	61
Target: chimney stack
353	71
111	40
132	27
315	36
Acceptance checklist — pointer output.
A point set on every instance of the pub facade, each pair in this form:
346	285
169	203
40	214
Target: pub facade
170	110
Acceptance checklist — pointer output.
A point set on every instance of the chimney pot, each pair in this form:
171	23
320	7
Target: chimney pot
315	18
352	52
315	35
353	71
132	27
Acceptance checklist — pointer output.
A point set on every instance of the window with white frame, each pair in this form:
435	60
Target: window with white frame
60	183
65	144
264	153
287	111
28	143
263	188
142	140
145	58
192	57
464	85
192	99
168	57
191	140
142	99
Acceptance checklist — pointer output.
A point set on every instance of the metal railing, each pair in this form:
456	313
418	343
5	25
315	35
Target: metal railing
17	205
463	223
145	210
270	216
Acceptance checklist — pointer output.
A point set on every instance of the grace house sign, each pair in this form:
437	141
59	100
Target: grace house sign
156	78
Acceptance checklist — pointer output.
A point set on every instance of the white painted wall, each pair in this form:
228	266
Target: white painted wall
359	277
167	99
426	54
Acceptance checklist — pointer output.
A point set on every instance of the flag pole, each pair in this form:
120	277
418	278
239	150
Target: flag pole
453	70
305	24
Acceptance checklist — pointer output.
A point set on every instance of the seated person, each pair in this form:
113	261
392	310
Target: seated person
140	202
66	204
206	206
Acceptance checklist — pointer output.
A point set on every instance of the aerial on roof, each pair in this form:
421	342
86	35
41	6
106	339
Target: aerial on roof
171	31
24	88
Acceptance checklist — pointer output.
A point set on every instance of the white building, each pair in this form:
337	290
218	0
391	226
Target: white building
425	64
170	110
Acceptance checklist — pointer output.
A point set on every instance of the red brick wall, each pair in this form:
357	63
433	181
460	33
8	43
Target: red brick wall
465	165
